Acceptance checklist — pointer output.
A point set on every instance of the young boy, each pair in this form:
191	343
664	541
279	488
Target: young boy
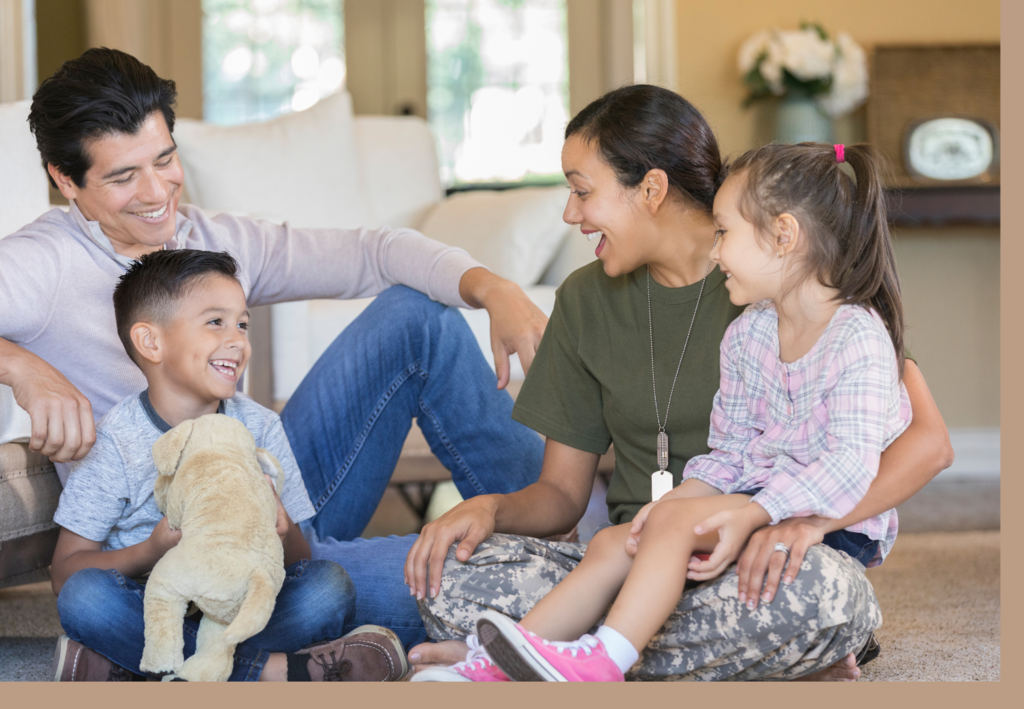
182	317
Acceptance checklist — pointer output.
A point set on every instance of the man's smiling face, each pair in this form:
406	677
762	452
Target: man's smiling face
132	187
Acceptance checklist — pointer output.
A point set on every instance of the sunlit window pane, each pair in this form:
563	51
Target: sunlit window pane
498	81
262	58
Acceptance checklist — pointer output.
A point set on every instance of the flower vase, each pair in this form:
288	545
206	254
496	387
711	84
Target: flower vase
799	120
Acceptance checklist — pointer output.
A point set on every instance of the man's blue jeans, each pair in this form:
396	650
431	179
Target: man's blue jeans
103	610
405	357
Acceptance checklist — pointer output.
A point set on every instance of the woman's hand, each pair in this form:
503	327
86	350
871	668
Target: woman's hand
516	323
734	528
799	534
470	522
688	488
637	527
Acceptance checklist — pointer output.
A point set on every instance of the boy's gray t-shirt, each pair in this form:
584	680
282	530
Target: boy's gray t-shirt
109	495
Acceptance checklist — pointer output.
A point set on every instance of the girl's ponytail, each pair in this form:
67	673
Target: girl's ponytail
866	273
850	248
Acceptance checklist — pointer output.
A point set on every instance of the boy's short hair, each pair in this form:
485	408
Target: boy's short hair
154	283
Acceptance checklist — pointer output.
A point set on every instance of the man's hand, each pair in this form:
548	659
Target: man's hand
62	422
734	528
162	539
516	323
469	522
760	557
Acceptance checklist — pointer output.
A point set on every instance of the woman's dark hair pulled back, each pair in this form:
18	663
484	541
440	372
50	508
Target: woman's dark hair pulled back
642	128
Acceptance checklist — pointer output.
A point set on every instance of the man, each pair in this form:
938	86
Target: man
103	124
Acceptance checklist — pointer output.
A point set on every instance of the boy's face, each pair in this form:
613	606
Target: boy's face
205	345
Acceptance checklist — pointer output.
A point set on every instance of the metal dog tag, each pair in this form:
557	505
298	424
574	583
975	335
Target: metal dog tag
661	482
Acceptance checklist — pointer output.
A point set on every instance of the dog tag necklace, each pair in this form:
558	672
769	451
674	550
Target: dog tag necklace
661	479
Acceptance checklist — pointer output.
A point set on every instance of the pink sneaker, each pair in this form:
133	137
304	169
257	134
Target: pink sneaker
477	667
528	658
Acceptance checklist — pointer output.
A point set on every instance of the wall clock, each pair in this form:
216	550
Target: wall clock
934	111
951	150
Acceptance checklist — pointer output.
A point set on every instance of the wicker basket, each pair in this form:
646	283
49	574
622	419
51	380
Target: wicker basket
913	83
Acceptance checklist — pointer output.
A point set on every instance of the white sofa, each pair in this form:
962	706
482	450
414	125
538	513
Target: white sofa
320	168
327	168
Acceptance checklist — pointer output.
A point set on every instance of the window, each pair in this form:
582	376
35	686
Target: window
262	58
498	88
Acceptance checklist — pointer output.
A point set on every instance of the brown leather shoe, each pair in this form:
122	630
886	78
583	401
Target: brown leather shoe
74	662
369	653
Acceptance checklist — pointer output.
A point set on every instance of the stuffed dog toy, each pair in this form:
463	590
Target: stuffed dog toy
229	561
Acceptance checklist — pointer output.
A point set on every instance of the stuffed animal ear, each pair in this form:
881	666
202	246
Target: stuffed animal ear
271	467
167	449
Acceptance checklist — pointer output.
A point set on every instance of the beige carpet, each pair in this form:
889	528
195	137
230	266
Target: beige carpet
939	594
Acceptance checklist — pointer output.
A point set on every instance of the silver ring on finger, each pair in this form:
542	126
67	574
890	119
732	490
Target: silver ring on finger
779	546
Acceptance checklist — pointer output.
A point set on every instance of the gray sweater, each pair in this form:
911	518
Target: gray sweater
57	278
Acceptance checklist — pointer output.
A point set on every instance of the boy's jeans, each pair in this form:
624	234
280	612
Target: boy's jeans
404	357
103	610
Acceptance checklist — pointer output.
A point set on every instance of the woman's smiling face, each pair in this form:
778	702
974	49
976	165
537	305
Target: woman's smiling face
603	208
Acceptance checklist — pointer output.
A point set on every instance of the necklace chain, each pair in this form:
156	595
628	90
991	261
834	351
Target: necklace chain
650	323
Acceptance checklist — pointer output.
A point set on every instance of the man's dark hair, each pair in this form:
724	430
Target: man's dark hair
102	92
152	286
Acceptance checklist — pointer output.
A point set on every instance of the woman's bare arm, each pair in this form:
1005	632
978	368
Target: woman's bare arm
552	505
918	455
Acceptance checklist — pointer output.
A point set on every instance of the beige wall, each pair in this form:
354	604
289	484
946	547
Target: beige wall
165	34
60	34
950	280
386	56
950	276
710	34
12	52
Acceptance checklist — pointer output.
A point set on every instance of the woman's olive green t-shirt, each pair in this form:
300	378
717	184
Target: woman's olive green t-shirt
590	382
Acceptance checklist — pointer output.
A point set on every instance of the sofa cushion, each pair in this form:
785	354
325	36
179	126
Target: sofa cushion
515	233
29	492
24	195
398	165
301	166
15	424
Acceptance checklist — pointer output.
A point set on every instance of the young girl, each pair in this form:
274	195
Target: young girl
810	395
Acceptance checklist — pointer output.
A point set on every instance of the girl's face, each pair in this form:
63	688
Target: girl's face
752	269
604	208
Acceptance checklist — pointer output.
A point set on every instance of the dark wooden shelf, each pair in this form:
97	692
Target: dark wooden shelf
911	207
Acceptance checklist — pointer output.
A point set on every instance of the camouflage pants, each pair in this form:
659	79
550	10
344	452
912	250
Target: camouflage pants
827	612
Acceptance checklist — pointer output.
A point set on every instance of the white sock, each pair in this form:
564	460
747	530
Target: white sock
619	649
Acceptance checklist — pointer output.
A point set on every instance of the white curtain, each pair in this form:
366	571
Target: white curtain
17	50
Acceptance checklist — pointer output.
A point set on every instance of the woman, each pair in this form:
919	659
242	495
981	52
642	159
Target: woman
624	360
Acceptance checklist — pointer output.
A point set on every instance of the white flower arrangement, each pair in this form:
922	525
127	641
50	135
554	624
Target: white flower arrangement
776	62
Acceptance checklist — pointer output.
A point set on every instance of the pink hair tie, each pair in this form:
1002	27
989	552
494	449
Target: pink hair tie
840	152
